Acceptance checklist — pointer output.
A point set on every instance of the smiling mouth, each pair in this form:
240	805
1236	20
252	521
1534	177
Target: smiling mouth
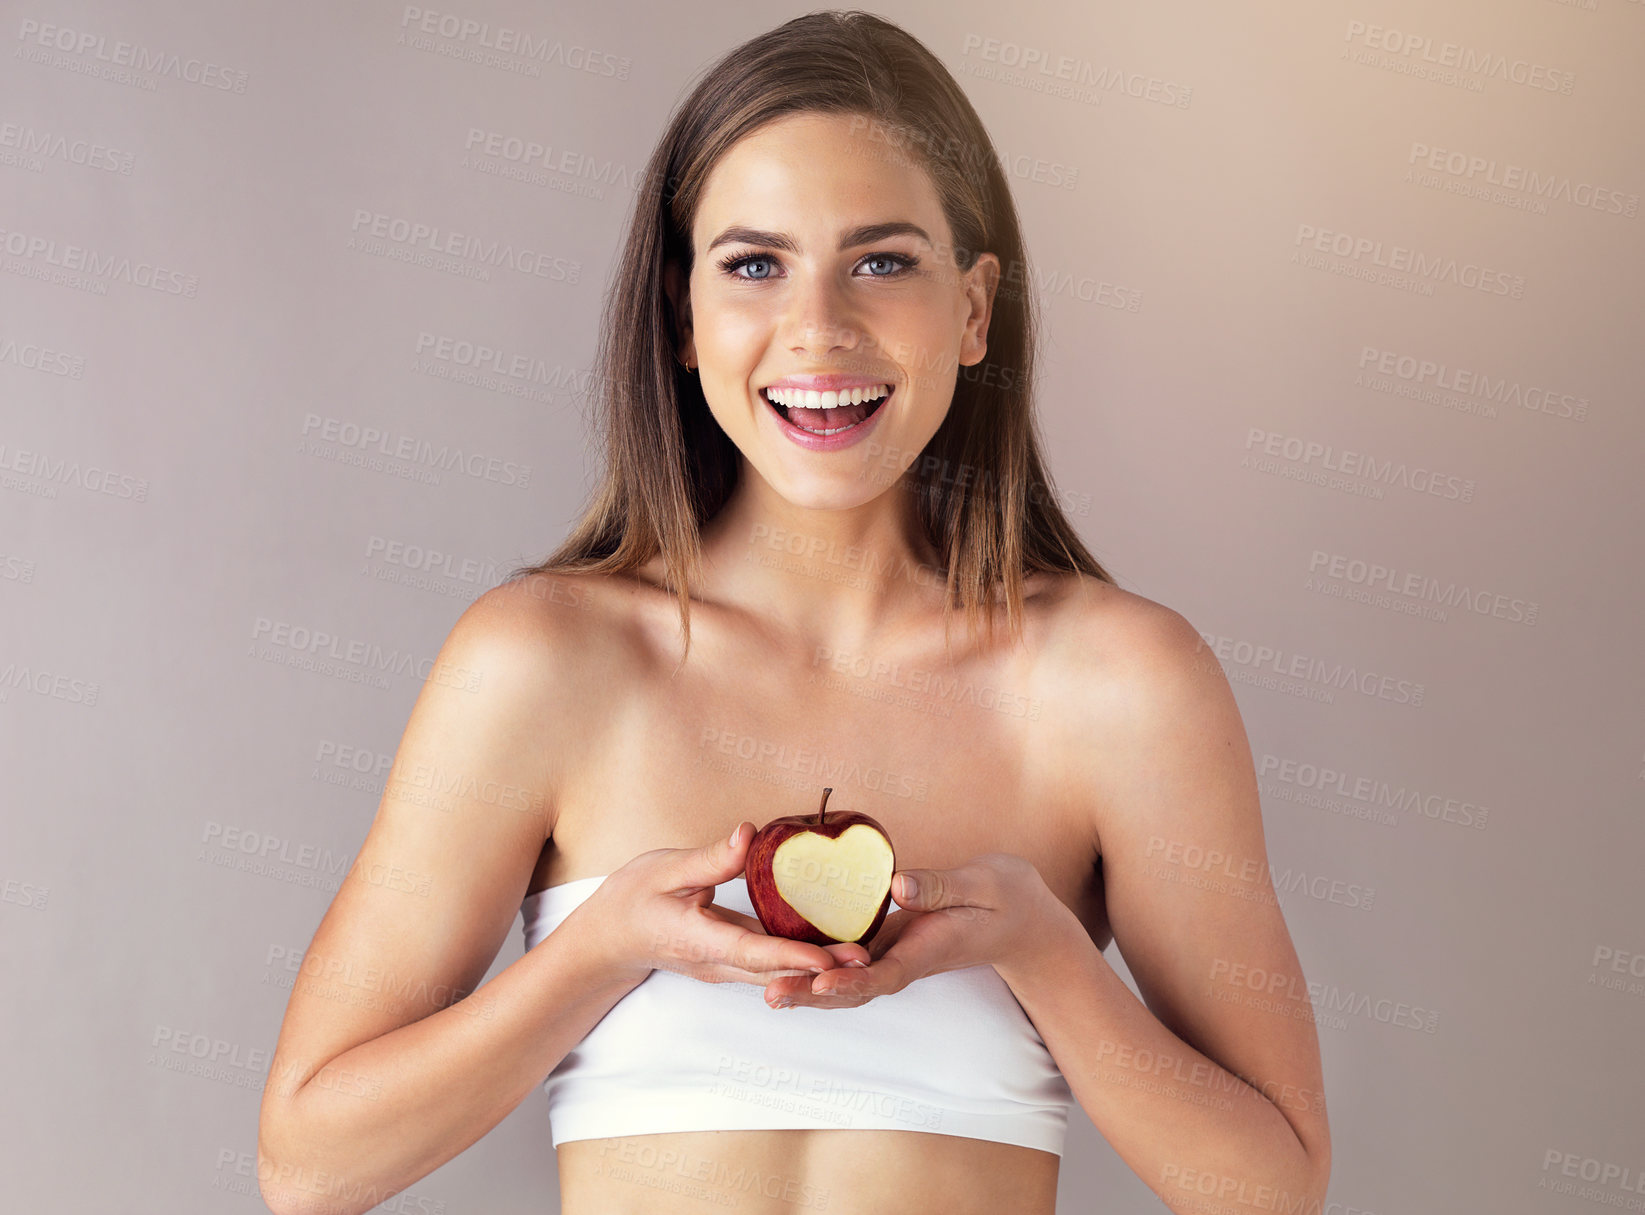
828	421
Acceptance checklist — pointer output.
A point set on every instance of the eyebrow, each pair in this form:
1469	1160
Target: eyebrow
865	235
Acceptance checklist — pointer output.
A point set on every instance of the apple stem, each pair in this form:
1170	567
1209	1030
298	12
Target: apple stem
821	806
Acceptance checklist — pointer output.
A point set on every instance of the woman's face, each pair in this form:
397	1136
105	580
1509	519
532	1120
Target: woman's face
784	285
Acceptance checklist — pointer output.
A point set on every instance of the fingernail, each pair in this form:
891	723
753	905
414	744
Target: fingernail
785	1002
735	831
910	888
854	962
816	970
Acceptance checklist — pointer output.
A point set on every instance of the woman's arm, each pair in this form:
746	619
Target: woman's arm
1212	1092
1206	1141
386	1066
388	1062
386	1113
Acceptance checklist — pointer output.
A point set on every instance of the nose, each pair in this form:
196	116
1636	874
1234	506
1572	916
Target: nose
819	320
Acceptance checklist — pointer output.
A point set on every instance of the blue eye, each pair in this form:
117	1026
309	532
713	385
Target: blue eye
904	262
732	264
887	257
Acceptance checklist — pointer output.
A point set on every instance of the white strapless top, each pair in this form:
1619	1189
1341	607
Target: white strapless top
950	1054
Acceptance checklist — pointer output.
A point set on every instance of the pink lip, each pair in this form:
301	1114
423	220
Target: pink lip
828	383
835	442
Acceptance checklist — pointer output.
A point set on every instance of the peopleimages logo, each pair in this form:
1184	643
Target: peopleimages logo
1321	998
1628	1178
504	40
1359	464
53	145
1418	49
1471	382
527	152
1557	187
34	34
1400	259
1371	791
1076	73
55	471
45	251
435	240
372	446
1281	662
1481	601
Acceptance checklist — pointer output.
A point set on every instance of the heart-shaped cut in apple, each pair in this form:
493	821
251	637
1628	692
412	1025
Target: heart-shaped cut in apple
822	877
838	884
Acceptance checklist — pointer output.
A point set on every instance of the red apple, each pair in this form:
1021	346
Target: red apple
822	877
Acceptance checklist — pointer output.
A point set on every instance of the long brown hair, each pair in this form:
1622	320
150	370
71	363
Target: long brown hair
984	495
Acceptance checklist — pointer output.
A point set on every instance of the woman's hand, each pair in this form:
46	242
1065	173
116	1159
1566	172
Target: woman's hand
983	911
657	912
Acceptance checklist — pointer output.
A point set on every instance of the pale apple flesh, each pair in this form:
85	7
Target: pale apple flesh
838	885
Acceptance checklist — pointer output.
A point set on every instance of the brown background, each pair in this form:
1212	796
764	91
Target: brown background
1247	411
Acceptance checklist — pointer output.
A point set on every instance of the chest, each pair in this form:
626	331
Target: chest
953	758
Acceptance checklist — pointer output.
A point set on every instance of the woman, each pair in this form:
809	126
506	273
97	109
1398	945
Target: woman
816	372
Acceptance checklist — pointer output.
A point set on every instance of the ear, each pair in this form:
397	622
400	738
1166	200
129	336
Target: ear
980	283
679	298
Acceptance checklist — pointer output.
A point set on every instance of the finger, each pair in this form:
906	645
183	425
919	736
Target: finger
799	992
709	966
732	916
842	987
708	971
722	972
890	930
843	953
793	990
848	953
720	861
847	986
910	891
933	889
756	952
916	955
912	956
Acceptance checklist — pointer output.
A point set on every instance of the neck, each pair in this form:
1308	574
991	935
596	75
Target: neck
844	579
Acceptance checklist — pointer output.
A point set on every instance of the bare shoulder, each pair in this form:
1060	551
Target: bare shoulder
537	610
1098	631
555	621
1132	684
564	637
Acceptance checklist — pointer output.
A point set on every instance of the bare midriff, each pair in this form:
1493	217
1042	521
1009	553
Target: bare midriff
793	1172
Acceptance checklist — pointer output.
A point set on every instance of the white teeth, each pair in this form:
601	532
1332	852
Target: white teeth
800	398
